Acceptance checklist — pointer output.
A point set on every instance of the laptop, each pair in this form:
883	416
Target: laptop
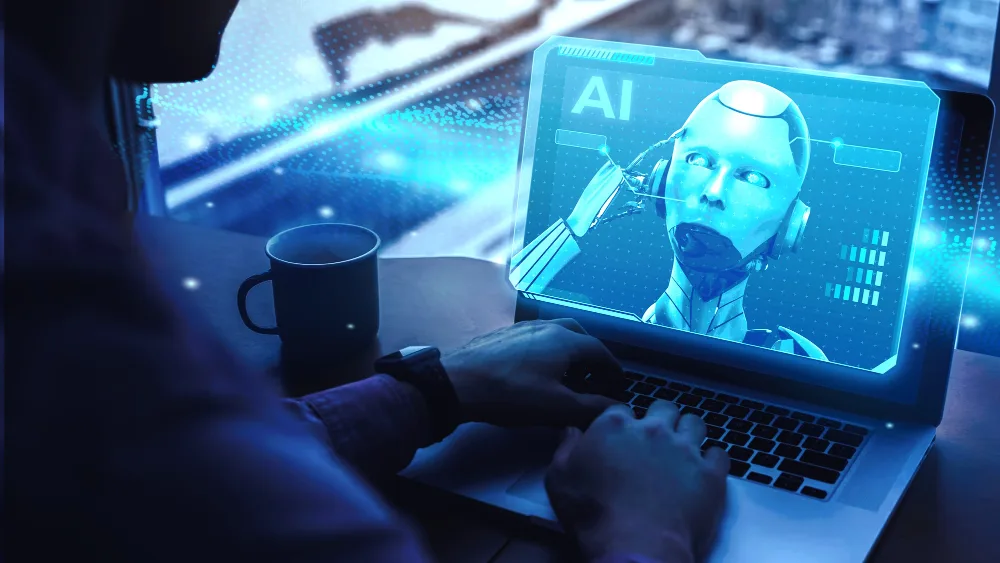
781	252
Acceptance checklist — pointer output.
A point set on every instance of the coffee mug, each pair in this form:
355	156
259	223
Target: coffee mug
324	278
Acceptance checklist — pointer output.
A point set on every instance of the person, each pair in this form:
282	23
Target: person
729	197
135	436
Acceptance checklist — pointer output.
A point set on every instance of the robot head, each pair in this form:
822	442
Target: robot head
737	168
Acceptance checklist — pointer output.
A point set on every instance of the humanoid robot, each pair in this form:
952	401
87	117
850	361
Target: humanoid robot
729	198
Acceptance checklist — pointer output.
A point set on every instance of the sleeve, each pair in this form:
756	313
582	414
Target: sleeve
376	425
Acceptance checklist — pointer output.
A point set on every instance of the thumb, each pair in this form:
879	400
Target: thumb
571	437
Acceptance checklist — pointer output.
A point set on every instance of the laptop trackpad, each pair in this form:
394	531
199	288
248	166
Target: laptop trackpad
531	487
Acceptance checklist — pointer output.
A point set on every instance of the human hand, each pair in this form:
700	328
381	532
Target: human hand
596	197
639	487
514	376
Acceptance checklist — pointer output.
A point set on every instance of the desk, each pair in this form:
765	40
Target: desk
952	512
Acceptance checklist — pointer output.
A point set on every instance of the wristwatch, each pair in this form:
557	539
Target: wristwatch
420	366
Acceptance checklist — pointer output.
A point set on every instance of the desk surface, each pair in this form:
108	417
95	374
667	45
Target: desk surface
951	513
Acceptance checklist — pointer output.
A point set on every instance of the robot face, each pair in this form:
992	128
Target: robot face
734	172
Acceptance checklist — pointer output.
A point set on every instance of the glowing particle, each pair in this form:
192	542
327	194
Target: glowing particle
279	171
389	160
969	321
261	101
196	142
191	284
413	233
916	345
837	142
889	425
209	204
325	212
350	326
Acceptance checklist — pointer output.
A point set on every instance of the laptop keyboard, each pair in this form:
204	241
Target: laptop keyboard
767	444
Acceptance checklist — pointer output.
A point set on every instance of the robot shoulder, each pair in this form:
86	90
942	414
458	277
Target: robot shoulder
785	340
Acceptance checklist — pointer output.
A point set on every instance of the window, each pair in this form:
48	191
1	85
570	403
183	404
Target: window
404	116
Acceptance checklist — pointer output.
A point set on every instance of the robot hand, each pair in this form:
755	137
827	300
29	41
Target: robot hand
596	198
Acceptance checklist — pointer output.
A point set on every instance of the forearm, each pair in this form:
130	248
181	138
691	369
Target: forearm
376	425
534	267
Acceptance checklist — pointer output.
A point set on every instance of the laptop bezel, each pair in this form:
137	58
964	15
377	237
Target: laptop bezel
977	111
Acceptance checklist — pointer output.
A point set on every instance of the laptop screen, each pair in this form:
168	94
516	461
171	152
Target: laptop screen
808	224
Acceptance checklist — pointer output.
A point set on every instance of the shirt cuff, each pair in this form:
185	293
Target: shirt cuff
376	424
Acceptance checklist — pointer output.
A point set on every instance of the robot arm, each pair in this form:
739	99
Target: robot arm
534	267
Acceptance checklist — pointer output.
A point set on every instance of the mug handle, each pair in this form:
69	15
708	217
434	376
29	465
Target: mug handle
241	302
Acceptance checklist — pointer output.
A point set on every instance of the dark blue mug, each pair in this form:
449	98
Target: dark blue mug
324	278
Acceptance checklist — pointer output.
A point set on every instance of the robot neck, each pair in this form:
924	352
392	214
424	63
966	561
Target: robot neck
706	303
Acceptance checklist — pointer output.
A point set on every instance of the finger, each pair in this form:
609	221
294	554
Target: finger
590	353
569	324
581	409
664	412
717	461
691	428
615	416
570	440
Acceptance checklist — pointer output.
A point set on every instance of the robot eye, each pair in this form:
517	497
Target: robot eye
754	178
698	159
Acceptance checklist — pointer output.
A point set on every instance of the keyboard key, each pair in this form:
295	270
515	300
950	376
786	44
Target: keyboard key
736	438
691	410
642	388
712	405
761	445
656	381
710	443
761	417
703	393
727	398
852	440
785	423
714	432
751	404
780	411
813	472
739	425
788	482
740	453
784	450
828	422
766	432
639	412
765	460
736	411
666	394
678	386
840	450
855	429
790	438
716	419
642	401
759	478
823	460
738	468
634	376
802	416
813	492
688	400
815	444
810	429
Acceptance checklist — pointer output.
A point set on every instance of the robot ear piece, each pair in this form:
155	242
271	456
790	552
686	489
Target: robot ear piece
658	187
789	236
